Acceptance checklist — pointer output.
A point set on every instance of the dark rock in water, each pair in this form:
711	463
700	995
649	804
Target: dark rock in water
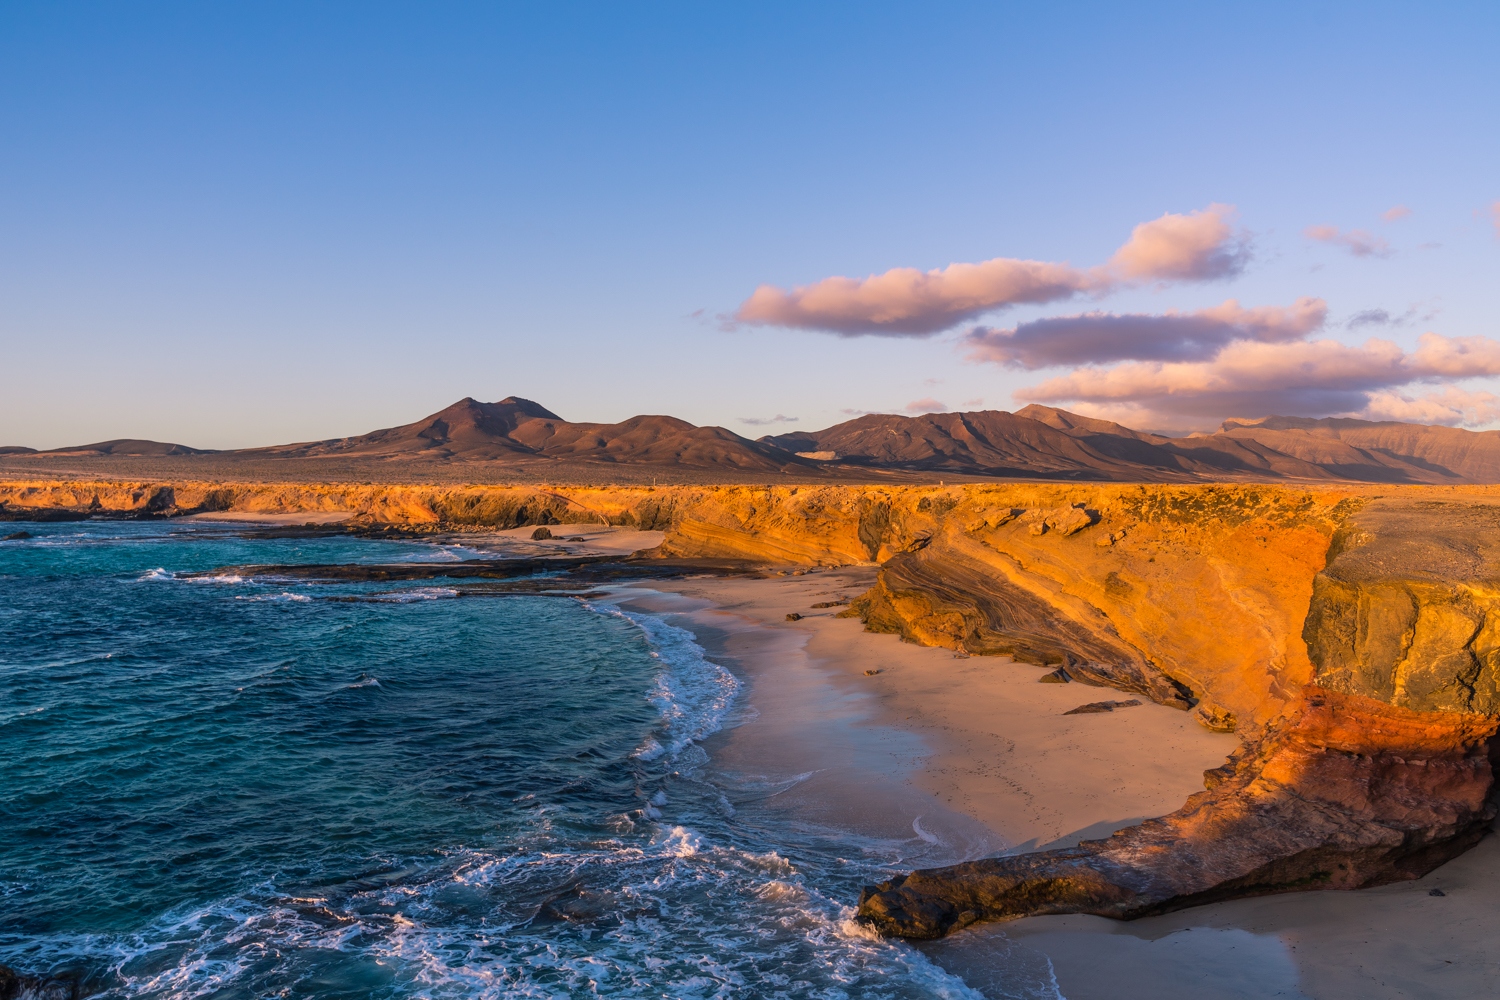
1058	676
14	986
1436	892
16	536
541	534
42	515
794	617
1100	706
829	604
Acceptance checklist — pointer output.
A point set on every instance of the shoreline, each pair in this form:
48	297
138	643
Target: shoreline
890	750
995	744
983	732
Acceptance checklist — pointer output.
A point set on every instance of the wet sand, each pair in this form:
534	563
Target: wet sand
971	757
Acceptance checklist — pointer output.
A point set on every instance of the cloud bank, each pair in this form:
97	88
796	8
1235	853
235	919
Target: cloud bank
1099	338
904	301
1254	378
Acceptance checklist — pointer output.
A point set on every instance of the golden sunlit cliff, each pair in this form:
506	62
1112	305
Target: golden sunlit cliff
1350	636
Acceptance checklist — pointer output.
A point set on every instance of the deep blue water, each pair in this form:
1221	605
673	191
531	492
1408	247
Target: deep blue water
241	788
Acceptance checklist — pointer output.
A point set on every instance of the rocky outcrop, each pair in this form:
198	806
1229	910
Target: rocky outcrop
1348	635
16	986
1381	769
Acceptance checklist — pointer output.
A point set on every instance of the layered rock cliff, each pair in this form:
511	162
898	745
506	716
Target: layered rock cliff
1350	635
1378	767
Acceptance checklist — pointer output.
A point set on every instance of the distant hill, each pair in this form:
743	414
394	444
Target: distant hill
132	447
1037	442
1043	441
516	429
1378	451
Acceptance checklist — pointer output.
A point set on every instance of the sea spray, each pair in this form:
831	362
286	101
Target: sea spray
243	809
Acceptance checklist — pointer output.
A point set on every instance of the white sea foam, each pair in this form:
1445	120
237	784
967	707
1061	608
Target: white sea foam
416	594
675	917
693	693
284	596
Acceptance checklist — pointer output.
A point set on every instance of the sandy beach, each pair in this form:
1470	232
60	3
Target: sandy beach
971	756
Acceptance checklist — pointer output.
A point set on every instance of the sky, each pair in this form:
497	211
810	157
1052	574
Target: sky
239	224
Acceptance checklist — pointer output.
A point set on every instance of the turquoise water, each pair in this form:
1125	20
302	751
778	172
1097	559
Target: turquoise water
240	788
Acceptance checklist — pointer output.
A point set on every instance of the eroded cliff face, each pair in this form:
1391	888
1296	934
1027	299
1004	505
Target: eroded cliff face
1378	768
435	507
1350	636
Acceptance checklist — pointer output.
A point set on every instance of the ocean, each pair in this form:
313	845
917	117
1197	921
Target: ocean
246	788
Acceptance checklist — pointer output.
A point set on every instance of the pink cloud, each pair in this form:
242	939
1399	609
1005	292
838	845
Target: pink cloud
905	301
1451	406
1096	338
1359	242
1199	246
926	406
1495	216
1395	212
1255	379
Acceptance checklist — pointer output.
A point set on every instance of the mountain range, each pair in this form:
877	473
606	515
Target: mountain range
1038	442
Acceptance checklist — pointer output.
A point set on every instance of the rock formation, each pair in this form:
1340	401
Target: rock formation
1349	635
1379	768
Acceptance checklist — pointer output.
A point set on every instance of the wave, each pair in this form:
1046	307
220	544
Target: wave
693	693
284	596
161	573
415	594
675	917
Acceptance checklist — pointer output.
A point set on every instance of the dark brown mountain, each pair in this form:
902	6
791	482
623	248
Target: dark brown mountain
1210	456
1045	442
1038	442
1378	451
468	430
984	442
518	430
131	447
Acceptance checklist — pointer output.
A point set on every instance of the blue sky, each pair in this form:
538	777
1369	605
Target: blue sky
235	224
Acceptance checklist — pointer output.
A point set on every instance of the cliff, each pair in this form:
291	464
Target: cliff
1350	636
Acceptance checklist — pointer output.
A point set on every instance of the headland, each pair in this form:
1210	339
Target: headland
1339	644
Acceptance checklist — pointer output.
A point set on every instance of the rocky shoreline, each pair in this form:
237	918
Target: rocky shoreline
1349	636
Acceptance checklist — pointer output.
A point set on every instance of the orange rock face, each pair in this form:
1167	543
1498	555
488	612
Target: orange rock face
1350	635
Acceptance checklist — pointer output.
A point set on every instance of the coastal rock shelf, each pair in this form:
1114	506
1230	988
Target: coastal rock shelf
1350	636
